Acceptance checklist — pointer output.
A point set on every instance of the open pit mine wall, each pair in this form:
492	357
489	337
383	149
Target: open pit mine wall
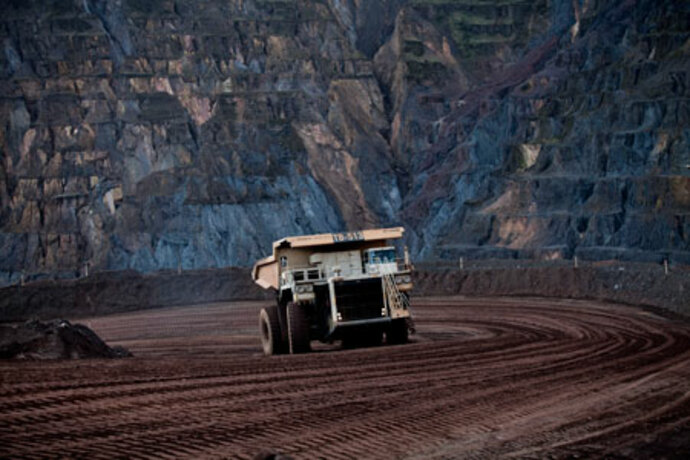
172	134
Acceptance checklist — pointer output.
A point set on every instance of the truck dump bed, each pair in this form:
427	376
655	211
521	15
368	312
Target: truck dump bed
298	249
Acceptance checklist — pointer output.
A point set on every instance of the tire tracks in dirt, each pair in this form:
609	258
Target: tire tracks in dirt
483	377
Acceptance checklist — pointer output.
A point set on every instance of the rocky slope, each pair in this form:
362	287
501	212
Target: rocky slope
176	134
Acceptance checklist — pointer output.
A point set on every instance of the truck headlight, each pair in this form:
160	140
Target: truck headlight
301	289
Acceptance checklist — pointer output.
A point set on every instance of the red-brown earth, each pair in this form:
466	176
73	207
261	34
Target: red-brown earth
483	377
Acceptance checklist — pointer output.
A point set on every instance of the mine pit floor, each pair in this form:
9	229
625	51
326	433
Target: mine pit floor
483	377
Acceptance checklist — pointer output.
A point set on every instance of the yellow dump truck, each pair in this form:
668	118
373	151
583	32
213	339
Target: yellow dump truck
335	286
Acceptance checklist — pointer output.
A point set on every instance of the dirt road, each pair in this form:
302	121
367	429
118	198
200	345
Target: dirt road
482	378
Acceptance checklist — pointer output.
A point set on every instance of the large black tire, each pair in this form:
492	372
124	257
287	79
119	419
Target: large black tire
397	333
372	337
271	337
298	329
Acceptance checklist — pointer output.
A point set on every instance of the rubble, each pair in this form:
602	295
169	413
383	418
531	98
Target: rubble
57	339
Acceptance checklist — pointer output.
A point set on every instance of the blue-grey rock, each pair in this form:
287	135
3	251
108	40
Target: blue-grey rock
176	135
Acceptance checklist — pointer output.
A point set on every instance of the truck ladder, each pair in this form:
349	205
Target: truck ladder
395	299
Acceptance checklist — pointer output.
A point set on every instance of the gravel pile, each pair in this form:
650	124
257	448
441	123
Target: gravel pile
58	339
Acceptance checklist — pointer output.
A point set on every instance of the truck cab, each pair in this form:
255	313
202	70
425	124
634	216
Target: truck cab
380	260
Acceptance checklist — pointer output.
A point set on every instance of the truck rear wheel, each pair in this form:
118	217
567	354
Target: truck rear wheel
269	325
397	333
298	329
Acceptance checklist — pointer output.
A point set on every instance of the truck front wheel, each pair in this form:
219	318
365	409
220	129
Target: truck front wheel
397	333
269	325
298	328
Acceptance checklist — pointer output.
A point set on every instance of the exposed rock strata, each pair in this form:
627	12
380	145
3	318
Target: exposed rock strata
168	134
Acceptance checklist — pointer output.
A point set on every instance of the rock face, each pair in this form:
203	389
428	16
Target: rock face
175	134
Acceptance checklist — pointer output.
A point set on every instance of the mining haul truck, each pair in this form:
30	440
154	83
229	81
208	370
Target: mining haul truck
335	286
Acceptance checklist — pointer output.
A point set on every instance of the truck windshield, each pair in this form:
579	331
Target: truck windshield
382	256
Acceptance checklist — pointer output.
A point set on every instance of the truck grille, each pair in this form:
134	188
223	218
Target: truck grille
359	299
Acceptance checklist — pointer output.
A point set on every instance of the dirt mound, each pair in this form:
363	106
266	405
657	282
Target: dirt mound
610	281
58	339
112	292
